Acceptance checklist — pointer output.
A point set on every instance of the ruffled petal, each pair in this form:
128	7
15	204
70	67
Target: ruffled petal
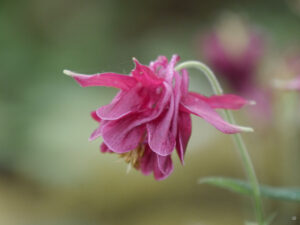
161	166
96	133
95	117
104	148
147	161
124	134
222	101
120	81
159	63
183	134
160	138
170	69
123	104
145	75
120	136
185	82
200	108
165	164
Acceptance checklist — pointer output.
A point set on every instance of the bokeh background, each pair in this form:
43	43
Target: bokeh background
51	175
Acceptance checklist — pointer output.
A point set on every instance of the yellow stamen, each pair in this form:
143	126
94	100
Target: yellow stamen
134	157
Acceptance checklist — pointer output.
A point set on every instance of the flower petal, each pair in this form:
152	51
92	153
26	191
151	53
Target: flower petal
104	148
165	164
120	136
131	126
185	82
145	75
96	133
160	62
95	117
222	101
121	81
200	108
160	138
161	166
147	161
170	69
183	134
124	103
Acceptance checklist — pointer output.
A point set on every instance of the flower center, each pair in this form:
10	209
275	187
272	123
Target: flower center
133	157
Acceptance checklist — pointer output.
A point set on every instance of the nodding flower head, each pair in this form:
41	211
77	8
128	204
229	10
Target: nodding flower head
234	50
150	115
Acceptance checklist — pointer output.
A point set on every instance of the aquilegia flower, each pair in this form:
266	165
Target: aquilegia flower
234	50
150	116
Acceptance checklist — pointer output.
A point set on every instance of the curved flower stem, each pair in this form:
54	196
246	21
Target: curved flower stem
237	137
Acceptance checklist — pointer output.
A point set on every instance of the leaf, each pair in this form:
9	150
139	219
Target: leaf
243	187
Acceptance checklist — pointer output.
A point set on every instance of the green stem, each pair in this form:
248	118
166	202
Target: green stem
237	137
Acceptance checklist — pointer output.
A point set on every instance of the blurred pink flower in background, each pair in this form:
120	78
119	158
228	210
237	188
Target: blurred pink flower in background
234	50
150	116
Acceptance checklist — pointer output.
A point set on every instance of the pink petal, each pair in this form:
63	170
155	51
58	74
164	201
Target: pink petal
170	69
177	97
96	133
160	138
124	103
222	101
145	75
165	164
184	134
121	81
104	148
147	161
185	82
160	62
161	166
120	136
95	117
200	108
124	134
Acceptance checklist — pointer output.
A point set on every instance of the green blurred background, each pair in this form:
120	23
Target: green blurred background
51	175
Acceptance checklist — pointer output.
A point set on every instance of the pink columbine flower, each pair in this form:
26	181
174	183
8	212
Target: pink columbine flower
234	50
150	116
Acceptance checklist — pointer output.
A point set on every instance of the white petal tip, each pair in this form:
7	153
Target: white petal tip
246	129
68	72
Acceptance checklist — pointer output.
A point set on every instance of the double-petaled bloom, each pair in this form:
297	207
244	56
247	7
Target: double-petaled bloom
150	115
